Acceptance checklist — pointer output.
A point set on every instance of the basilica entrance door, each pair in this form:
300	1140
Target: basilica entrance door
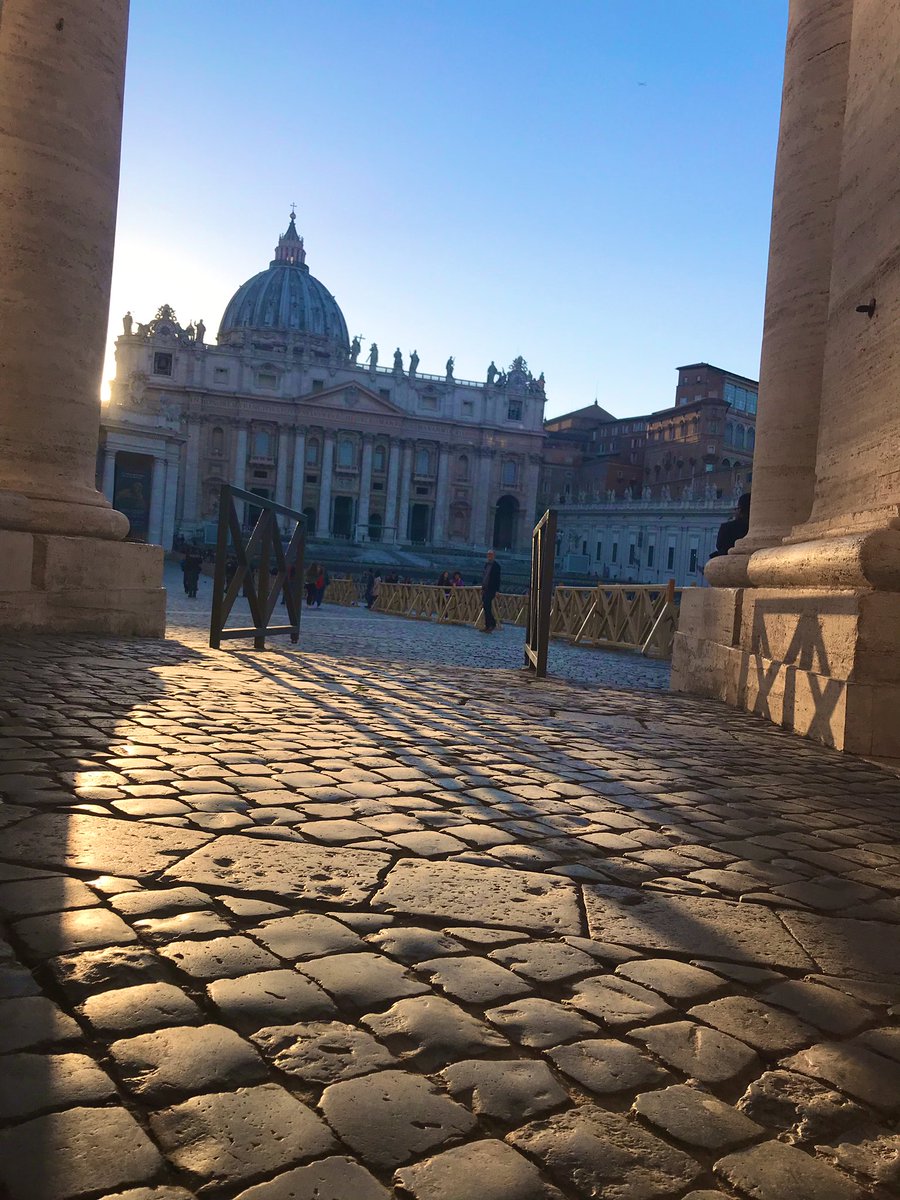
342	526
505	520
420	523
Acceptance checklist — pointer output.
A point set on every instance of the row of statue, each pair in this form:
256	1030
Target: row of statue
710	493
192	335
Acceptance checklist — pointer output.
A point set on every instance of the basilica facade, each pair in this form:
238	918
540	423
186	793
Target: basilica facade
282	406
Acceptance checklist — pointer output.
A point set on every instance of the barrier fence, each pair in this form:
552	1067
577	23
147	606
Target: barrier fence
614	616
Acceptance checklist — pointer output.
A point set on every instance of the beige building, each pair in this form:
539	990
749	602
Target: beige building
281	405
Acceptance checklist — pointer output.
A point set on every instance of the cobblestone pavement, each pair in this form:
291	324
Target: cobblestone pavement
356	631
286	926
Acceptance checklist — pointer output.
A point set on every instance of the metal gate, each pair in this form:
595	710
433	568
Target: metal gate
253	562
540	594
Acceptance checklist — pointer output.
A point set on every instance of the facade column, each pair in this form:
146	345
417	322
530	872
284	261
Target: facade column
532	483
157	497
483	467
393	489
170	502
298	470
190	504
109	472
323	516
405	478
66	567
281	474
365	488
238	471
807	180
442	497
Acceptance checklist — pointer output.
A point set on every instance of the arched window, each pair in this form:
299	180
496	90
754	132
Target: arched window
345	455
423	462
218	441
379	460
462	468
262	443
312	452
739	436
510	473
751	438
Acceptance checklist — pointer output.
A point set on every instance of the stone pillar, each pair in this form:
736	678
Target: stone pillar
109	473
442	497
157	499
299	467
365	488
281	475
190	507
170	501
65	567
238	469
393	490
483	467
807	178
405	479
323	516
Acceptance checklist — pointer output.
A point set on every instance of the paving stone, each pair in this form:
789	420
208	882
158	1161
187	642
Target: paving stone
502	1174
322	1051
700	1052
16	981
80	1151
146	1006
181	925
431	1032
855	1070
486	895
152	1193
773	1171
604	952
78	929
362	981
225	1139
823	1007
672	979
473	980
36	1083
870	1151
411	945
158	902
884	1041
618	1002
306	935
246	908
600	1153
504	1090
269	998
83	975
540	1023
330	1179
606	1066
759	1025
170	1063
696	1118
711	928
392	1116
33	1021
219	958
297	871
810	1112
48	895
476	935
88	843
843	946
545	962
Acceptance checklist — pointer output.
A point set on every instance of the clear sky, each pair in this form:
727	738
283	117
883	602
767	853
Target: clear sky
587	184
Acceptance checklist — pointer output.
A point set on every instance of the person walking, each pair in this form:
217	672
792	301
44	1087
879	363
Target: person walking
490	586
321	584
191	565
312	573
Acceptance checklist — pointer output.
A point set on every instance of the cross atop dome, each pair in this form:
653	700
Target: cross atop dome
290	245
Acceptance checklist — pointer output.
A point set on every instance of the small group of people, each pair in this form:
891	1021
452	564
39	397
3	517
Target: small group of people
317	580
445	579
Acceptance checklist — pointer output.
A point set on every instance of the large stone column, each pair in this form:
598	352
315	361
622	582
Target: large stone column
442	497
238	470
157	502
61	79
365	488
298	469
393	492
483	470
405	479
109	472
323	516
807	181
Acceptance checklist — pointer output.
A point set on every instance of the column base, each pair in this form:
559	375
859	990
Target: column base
55	584
822	663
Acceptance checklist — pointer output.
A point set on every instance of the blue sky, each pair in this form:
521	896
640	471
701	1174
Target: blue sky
586	184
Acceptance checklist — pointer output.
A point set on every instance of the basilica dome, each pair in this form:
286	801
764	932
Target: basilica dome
286	300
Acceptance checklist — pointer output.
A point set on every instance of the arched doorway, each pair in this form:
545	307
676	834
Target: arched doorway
420	523
342	526
375	525
505	521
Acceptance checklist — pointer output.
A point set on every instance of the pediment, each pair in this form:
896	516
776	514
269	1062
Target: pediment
351	397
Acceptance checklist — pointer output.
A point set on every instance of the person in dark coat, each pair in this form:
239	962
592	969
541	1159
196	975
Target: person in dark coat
732	531
371	591
191	565
490	586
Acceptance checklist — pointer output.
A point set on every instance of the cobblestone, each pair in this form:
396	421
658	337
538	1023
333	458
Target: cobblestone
773	1171
694	1117
503	1090
34	1083
171	1063
330	1179
502	1174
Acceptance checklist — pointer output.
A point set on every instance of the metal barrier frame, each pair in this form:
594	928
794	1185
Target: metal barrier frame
540	594
262	593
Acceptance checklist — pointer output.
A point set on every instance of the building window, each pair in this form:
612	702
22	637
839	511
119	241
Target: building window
670	556
162	364
262	444
651	551
318	385
345	454
599	553
266	379
614	556
312	453
385	393
514	410
221	374
423	462
218	442
510	474
694	553
468	408
462	468
632	555
379	459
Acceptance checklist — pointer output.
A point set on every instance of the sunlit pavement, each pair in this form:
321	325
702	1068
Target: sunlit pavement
378	915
